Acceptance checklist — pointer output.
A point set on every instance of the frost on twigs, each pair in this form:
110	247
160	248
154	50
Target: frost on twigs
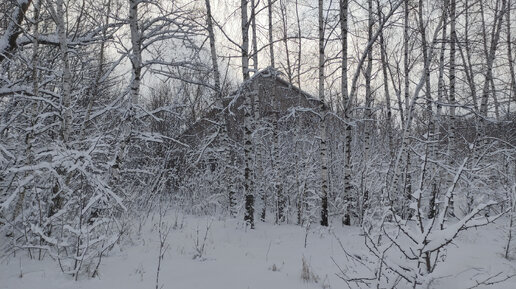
200	242
407	252
307	272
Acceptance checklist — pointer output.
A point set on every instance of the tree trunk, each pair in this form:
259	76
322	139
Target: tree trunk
66	89
469	67
429	117
367	76
509	53
346	107
248	158
283	9
13	31
255	41
406	64
321	51
245	40
258	177
490	54
299	47
248	146
432	206
323	148
324	174
451	95
271	42
136	56
30	134
383	57
368	123
213	51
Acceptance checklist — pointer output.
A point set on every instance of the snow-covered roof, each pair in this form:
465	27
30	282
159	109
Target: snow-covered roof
231	100
278	76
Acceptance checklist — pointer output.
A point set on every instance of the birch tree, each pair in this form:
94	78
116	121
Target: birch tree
324	157
346	104
13	31
248	145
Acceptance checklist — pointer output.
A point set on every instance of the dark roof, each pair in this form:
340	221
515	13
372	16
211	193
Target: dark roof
273	72
211	116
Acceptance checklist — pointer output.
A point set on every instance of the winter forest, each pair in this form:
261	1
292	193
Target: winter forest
258	144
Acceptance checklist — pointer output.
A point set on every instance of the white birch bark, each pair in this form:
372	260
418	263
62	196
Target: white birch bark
367	76
136	55
271	42
213	50
490	53
368	115
510	55
278	183
384	61
406	64
258	177
254	40
468	64
66	74
321	49
299	47
346	105
248	146
284	18
432	206
322	127
324	171
452	78
245	40
134	86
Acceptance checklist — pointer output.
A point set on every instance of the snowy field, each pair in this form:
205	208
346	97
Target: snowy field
268	257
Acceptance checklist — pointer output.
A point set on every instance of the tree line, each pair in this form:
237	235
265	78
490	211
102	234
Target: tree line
418	124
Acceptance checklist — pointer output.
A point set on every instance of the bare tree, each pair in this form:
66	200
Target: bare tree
213	50
248	146
271	42
14	29
324	157
346	105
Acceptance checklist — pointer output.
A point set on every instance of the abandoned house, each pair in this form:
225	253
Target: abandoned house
276	98
285	113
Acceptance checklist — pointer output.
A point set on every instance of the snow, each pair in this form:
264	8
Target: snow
10	199
268	257
439	238
11	28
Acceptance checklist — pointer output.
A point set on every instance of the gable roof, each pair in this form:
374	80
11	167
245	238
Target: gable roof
233	101
271	72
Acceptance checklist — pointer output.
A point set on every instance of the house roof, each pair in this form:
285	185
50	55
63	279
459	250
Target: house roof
210	117
273	72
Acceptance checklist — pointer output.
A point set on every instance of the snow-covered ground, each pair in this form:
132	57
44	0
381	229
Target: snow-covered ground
268	257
